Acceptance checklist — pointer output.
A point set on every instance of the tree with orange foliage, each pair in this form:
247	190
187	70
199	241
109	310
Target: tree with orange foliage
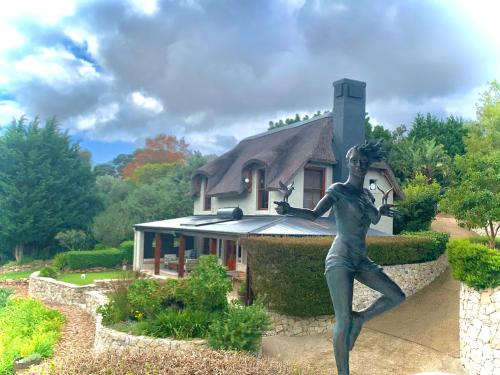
162	149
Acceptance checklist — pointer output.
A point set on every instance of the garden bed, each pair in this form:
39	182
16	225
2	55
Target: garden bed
29	329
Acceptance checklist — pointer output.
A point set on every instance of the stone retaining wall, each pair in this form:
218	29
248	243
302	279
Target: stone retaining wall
410	277
48	289
480	330
108	339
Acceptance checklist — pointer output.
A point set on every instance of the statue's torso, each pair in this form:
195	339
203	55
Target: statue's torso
349	247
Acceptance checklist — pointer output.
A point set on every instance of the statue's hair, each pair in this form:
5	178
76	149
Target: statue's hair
371	150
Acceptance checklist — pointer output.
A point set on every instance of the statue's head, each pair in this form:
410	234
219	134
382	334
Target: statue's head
360	157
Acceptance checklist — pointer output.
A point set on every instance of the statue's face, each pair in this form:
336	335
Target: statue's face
357	164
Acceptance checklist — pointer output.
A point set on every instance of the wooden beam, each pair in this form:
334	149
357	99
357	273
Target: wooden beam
182	256
213	246
157	253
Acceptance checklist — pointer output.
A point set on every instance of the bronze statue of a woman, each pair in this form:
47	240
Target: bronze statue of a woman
347	260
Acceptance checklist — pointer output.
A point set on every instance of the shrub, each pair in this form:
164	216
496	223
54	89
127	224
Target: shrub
241	328
207	286
128	249
60	261
146	296
118	307
94	258
48	271
182	324
28	327
419	207
474	264
289	272
73	239
483	240
4	296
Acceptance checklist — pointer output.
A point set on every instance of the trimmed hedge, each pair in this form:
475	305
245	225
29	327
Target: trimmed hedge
476	265
108	258
128	248
289	271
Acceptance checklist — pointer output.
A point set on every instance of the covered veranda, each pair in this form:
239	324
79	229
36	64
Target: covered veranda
171	248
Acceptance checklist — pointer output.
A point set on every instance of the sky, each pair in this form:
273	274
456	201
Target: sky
115	72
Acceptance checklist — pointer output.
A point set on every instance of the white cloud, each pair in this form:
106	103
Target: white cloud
146	102
147	7
11	38
47	11
54	66
9	110
102	115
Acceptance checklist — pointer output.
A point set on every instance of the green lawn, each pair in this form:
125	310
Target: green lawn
76	278
16	275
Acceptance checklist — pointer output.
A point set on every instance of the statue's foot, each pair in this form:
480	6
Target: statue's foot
356	325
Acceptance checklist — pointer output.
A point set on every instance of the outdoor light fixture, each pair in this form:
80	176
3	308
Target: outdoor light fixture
247	180
373	184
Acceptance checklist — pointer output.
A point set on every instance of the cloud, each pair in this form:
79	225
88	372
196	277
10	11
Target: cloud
200	69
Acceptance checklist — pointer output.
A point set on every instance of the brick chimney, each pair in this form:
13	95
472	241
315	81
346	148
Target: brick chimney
348	121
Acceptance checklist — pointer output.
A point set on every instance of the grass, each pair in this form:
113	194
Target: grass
16	275
75	278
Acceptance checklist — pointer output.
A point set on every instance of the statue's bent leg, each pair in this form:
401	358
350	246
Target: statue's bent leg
392	295
340	282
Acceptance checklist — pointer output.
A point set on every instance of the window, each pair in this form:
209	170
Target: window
207	200
314	186
239	252
262	195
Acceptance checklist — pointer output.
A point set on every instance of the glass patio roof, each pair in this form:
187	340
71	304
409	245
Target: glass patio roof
272	225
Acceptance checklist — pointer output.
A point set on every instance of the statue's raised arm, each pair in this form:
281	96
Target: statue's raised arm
325	203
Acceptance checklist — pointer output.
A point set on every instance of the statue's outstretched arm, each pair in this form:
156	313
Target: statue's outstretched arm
283	208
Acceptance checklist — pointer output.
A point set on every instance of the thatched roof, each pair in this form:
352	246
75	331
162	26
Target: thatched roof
282	152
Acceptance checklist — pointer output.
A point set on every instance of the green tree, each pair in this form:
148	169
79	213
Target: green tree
450	133
291	120
163	198
121	161
419	207
475	198
104	169
46	186
430	159
112	189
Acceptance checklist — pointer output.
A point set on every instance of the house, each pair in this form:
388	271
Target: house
234	193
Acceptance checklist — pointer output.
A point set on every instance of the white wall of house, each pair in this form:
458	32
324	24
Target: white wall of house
248	201
138	250
385	223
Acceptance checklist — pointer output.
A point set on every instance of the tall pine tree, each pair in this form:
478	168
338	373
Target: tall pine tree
46	186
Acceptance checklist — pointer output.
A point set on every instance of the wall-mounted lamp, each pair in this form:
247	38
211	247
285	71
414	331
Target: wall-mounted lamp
247	180
372	184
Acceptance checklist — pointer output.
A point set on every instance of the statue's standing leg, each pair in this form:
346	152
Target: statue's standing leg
392	295
340	282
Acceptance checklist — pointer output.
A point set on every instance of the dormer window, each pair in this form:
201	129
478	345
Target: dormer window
314	186
207	200
262	194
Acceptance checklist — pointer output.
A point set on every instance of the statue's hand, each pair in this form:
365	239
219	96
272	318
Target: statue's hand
282	207
387	210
